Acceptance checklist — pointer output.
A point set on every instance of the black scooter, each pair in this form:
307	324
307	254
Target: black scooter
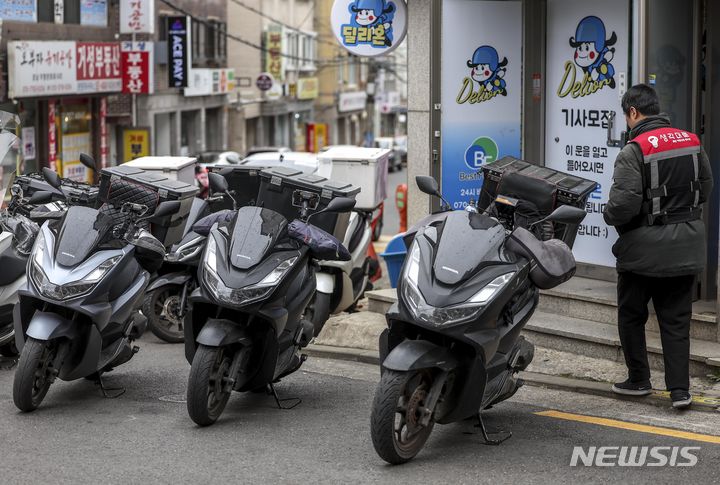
453	346
87	273
246	326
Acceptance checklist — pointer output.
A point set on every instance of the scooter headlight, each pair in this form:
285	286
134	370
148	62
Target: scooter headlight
72	289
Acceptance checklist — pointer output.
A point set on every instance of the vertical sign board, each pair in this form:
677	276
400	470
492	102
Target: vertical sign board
587	54
481	92
137	16
179	46
136	65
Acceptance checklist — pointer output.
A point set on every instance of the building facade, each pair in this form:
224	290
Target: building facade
543	82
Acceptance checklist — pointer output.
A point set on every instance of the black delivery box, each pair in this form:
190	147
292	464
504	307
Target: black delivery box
243	181
569	189
277	185
77	193
169	230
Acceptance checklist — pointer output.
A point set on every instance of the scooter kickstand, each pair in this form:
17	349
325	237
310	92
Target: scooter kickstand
502	436
295	400
105	390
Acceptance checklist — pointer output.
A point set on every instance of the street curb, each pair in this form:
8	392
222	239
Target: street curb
657	398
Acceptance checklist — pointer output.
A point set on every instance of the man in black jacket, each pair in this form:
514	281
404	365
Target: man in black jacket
661	179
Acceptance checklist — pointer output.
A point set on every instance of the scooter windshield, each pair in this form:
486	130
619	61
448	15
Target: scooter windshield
9	146
467	242
82	231
256	232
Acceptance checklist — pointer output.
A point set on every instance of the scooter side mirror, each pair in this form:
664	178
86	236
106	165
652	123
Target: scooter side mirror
88	161
52	178
40	197
567	214
218	183
341	204
427	185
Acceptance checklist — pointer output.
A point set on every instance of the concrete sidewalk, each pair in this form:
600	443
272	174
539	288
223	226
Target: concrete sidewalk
354	337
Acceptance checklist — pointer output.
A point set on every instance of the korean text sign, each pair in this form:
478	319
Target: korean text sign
137	16
137	67
369	28
481	92
587	46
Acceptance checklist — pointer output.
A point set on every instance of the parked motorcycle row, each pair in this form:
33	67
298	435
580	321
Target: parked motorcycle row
248	277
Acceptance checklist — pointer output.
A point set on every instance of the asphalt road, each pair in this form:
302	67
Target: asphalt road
145	436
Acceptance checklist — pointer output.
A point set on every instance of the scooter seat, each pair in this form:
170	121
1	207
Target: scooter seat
552	261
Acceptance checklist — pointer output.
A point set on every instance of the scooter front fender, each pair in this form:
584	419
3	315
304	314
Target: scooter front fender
218	333
419	354
48	326
179	278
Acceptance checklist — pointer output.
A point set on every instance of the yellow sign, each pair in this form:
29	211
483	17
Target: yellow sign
308	88
136	143
273	52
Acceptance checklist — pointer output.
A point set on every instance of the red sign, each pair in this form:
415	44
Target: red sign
137	67
52	137
103	133
98	60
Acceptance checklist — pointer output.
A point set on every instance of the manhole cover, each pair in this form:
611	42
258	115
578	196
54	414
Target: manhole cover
174	398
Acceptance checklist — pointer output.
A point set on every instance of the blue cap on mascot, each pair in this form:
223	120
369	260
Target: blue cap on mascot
485	55
592	29
377	6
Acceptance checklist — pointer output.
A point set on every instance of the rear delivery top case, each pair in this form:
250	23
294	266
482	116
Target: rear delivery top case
364	167
176	168
277	185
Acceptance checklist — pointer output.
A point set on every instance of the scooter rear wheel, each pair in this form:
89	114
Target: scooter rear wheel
394	422
34	374
207	393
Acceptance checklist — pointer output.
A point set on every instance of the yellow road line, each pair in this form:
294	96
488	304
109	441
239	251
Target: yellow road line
642	428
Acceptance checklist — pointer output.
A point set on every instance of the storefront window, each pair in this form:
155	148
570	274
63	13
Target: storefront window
75	138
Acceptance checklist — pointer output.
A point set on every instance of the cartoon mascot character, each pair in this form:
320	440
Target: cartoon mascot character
487	69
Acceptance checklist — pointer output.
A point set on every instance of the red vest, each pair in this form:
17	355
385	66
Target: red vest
670	169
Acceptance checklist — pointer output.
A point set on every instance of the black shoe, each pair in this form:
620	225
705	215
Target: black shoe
629	388
680	398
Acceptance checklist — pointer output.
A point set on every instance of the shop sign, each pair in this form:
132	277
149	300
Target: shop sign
98	67
136	143
274	93
317	136
308	88
208	82
264	81
179	51
93	12
137	67
137	16
354	101
587	60
274	61
18	10
387	102
52	135
481	92
59	9
370	28
104	147
40	68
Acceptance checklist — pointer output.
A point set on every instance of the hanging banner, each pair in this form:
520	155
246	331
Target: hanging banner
41	68
52	135
179	47
587	58
136	67
370	28
274	61
93	12
137	16
18	10
98	67
104	146
481	92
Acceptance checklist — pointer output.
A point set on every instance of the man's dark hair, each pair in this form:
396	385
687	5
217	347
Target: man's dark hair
643	98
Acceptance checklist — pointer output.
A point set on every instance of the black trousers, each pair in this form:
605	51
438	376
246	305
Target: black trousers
672	299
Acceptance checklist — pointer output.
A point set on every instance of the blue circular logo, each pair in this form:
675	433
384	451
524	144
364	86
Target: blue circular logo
483	150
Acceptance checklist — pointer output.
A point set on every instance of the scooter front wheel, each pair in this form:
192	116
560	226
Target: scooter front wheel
34	374
208	392
395	422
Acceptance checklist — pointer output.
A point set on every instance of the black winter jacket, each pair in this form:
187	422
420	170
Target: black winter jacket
659	251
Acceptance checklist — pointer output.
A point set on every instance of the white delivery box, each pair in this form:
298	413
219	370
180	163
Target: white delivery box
366	168
176	168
